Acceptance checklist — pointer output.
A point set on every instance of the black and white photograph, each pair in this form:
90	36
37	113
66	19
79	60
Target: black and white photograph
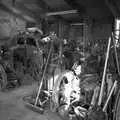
59	59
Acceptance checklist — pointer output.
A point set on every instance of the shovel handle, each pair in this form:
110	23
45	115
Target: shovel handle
109	96
104	73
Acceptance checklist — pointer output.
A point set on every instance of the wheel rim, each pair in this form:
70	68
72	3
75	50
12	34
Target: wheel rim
56	88
57	91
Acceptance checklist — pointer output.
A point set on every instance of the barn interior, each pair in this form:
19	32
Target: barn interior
59	59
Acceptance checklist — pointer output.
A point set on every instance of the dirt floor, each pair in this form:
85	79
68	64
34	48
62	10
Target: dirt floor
12	106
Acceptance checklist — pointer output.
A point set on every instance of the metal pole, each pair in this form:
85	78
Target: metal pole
104	73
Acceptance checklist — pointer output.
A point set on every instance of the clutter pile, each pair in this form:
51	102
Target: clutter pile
85	89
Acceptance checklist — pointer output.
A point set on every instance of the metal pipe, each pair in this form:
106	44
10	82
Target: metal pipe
117	29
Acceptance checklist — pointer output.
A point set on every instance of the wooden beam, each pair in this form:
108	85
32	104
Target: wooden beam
61	12
77	24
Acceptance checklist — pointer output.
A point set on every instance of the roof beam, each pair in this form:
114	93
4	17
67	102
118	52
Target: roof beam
61	12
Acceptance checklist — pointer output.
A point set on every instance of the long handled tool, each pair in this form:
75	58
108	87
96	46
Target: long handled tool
116	56
110	94
40	86
115	82
104	73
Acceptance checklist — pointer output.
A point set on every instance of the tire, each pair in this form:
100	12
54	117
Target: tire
56	88
3	79
63	105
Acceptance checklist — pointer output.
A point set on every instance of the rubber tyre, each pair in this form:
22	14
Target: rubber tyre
56	88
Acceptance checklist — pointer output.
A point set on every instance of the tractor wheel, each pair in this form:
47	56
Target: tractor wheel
3	78
57	85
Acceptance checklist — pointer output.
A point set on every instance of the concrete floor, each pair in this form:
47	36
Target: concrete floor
12	106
